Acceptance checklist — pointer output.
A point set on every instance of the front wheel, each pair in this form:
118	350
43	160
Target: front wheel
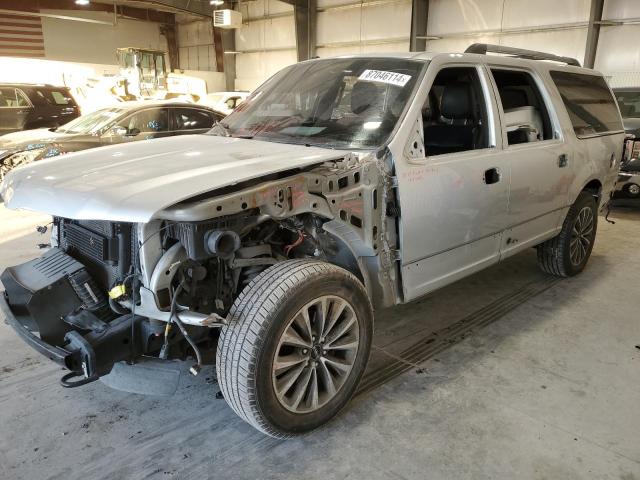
567	254
296	346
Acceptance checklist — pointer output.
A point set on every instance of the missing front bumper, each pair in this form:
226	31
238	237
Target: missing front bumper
43	307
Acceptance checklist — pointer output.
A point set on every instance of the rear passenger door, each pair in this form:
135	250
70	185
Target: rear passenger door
15	109
540	160
191	120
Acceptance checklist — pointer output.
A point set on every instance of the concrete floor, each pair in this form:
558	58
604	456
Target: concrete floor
506	374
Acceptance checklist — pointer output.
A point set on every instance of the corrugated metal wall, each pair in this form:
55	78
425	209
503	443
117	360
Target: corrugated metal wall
344	27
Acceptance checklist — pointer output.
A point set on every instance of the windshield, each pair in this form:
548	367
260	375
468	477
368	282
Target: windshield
337	103
629	103
93	122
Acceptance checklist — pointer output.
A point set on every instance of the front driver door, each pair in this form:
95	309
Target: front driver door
145	124
454	199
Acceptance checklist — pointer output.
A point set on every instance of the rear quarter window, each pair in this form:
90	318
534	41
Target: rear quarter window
589	102
56	97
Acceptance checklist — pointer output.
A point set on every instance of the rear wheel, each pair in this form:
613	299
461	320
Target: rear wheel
632	190
567	254
296	346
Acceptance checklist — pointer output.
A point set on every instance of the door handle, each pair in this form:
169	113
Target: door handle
491	176
563	160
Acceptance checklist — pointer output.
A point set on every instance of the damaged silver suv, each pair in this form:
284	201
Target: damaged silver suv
340	186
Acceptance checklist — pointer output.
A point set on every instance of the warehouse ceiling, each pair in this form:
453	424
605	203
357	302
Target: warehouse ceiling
195	7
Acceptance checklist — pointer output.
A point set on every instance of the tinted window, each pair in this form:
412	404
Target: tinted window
12	98
56	97
188	119
525	115
629	103
589	102
154	120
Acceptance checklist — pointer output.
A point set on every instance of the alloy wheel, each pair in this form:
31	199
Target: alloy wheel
581	236
315	354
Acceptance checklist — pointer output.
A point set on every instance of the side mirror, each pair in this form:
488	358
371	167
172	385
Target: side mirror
118	131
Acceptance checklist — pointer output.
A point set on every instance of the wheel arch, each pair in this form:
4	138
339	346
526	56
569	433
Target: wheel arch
359	258
594	186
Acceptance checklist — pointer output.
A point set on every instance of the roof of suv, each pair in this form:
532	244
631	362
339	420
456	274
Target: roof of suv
507	60
39	85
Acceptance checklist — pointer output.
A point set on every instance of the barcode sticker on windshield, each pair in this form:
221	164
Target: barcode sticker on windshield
385	77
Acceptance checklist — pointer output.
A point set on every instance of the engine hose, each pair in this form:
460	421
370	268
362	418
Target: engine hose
186	336
175	318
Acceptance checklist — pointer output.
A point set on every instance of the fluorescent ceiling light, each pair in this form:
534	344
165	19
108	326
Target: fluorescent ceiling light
82	2
216	2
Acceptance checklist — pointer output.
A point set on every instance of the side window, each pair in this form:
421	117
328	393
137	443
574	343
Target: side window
191	119
21	99
7	97
590	104
147	121
525	114
55	97
455	114
12	98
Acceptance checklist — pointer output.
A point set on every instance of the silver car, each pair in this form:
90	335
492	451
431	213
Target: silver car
338	187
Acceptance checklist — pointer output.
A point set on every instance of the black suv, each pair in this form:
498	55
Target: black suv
23	107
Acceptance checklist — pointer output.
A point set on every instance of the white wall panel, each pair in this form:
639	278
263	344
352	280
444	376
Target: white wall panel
261	8
528	13
195	42
254	68
569	43
363	24
266	34
618	48
363	48
258	37
458	16
458	44
621	9
74	41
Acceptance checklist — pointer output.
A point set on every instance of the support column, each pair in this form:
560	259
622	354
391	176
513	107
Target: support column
305	17
419	20
593	33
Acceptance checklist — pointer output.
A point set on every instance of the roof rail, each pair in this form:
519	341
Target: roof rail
484	48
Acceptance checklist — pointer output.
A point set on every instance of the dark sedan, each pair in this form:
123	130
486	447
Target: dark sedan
127	122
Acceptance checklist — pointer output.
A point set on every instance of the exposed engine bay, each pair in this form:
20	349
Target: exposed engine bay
165	283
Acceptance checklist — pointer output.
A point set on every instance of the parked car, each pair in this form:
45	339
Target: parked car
342	185
224	102
126	122
629	180
25	106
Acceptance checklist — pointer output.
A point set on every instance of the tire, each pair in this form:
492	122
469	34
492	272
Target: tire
253	345
559	256
632	190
